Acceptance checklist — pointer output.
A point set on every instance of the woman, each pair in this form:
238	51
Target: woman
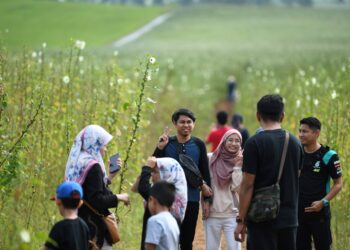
167	169
225	172
85	166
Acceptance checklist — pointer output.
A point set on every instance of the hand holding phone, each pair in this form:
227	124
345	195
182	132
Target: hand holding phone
113	165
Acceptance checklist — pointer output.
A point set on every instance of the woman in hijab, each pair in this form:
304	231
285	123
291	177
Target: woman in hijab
226	175
85	165
166	169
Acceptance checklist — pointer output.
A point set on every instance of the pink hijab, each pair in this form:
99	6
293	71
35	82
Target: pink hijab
222	161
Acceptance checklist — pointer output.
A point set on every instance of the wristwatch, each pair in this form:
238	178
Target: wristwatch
240	220
325	202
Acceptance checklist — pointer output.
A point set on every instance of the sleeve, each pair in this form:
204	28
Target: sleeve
250	157
144	184
154	232
334	168
159	153
203	163
210	137
53	239
94	190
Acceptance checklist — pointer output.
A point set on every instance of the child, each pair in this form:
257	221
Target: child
162	228
72	233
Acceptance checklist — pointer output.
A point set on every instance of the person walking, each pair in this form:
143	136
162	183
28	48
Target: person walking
320	165
261	163
218	131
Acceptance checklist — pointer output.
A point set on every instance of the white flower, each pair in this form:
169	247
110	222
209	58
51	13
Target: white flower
116	53
301	72
307	83
80	44
298	102
316	102
136	74
152	60
34	54
277	90
334	94
25	236
313	80
127	80
81	58
151	100
40	53
50	65
44	45
66	79
81	72
148	77
120	81
40	61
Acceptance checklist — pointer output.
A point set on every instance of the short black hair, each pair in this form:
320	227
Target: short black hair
236	120
312	122
221	116
163	192
71	203
183	111
270	107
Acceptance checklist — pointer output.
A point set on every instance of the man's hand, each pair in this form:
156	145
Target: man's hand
163	139
316	206
123	198
205	210
240	232
152	162
206	190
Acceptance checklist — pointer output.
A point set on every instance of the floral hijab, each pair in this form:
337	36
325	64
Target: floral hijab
171	171
85	153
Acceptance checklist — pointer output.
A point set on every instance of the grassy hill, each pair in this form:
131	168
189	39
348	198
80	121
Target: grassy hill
30	22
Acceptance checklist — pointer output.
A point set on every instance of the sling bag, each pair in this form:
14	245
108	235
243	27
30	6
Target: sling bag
265	204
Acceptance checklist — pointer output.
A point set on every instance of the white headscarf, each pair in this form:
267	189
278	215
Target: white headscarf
171	171
85	153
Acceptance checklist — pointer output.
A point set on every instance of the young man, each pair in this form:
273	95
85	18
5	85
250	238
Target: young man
261	159
221	128
162	228
184	121
320	164
237	123
72	233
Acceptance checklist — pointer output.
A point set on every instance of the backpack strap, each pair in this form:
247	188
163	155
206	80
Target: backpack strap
283	158
327	156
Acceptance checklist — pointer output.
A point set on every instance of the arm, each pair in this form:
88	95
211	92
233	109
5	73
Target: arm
203	163
150	246
162	142
144	183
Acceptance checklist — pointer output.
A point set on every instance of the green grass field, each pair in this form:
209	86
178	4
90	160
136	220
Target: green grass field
32	22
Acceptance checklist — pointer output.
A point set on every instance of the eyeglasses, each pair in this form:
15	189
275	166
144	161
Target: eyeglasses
233	141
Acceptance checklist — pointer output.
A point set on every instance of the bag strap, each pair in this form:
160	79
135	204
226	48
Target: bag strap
283	158
92	209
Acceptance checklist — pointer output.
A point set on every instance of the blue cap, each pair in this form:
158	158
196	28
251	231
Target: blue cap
69	189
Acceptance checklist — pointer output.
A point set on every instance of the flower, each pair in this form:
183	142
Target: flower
277	90
40	61
80	44
151	100
44	45
34	54
127	80
81	72
313	80
66	79
152	60
316	102
298	102
50	65
25	236
120	81
116	53
148	77
81	58
334	94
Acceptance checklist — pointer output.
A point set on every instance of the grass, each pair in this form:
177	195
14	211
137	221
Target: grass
30	23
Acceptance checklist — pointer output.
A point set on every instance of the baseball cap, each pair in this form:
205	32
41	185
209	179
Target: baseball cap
69	189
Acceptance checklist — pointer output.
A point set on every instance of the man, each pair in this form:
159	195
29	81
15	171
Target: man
184	122
237	123
320	164
261	159
221	128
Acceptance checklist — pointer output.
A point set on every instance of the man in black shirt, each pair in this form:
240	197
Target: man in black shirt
320	164
261	159
72	233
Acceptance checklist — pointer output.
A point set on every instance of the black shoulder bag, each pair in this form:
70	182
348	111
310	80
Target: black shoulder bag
265	204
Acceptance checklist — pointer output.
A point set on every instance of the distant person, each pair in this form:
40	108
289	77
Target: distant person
320	164
237	123
85	165
72	233
261	163
183	142
162	228
231	89
220	129
225	166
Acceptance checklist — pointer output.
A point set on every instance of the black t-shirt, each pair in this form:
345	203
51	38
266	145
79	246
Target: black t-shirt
69	235
314	182
261	157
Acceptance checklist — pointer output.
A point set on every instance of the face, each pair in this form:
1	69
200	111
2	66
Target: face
103	150
184	125
233	143
307	135
151	205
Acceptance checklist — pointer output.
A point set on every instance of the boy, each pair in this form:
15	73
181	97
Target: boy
72	233
162	229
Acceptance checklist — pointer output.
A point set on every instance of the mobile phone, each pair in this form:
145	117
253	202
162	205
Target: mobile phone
113	165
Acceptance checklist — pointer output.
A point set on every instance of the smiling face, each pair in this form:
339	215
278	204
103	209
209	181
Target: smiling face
184	125
308	135
233	143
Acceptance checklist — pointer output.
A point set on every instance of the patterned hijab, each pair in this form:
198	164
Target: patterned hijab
222	162
171	171
85	152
